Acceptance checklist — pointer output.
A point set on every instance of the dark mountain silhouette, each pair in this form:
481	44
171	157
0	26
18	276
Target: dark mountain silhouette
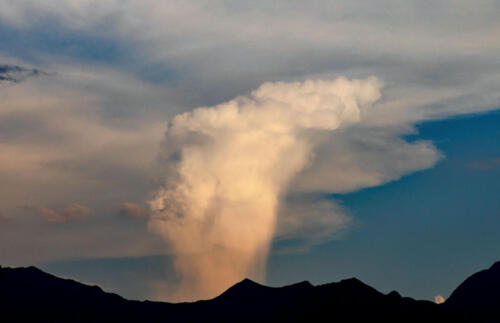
478	297
31	295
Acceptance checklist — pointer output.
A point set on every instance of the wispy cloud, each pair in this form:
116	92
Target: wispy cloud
4	218
485	164
71	212
133	210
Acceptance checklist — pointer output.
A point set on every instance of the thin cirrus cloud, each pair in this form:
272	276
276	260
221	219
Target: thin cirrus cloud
486	164
228	48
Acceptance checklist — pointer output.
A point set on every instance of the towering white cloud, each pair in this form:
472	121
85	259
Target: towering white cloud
229	165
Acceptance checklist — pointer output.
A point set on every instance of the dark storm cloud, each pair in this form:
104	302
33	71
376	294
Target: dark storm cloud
17	74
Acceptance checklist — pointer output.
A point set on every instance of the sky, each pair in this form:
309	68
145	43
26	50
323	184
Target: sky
166	150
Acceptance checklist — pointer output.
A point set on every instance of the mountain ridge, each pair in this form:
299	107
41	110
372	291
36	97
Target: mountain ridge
478	297
28	293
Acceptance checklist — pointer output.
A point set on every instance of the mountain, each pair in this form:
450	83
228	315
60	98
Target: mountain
31	295
478	297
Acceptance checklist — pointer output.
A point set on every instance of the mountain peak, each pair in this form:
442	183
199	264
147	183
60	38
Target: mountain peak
478	296
353	283
302	284
352	280
244	288
495	266
247	283
394	294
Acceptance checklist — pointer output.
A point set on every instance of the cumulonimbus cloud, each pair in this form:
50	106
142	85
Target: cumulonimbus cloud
228	166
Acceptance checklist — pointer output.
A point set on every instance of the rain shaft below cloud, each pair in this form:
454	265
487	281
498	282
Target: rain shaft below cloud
227	168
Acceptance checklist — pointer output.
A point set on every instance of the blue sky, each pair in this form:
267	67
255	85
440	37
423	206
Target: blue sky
424	234
364	142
